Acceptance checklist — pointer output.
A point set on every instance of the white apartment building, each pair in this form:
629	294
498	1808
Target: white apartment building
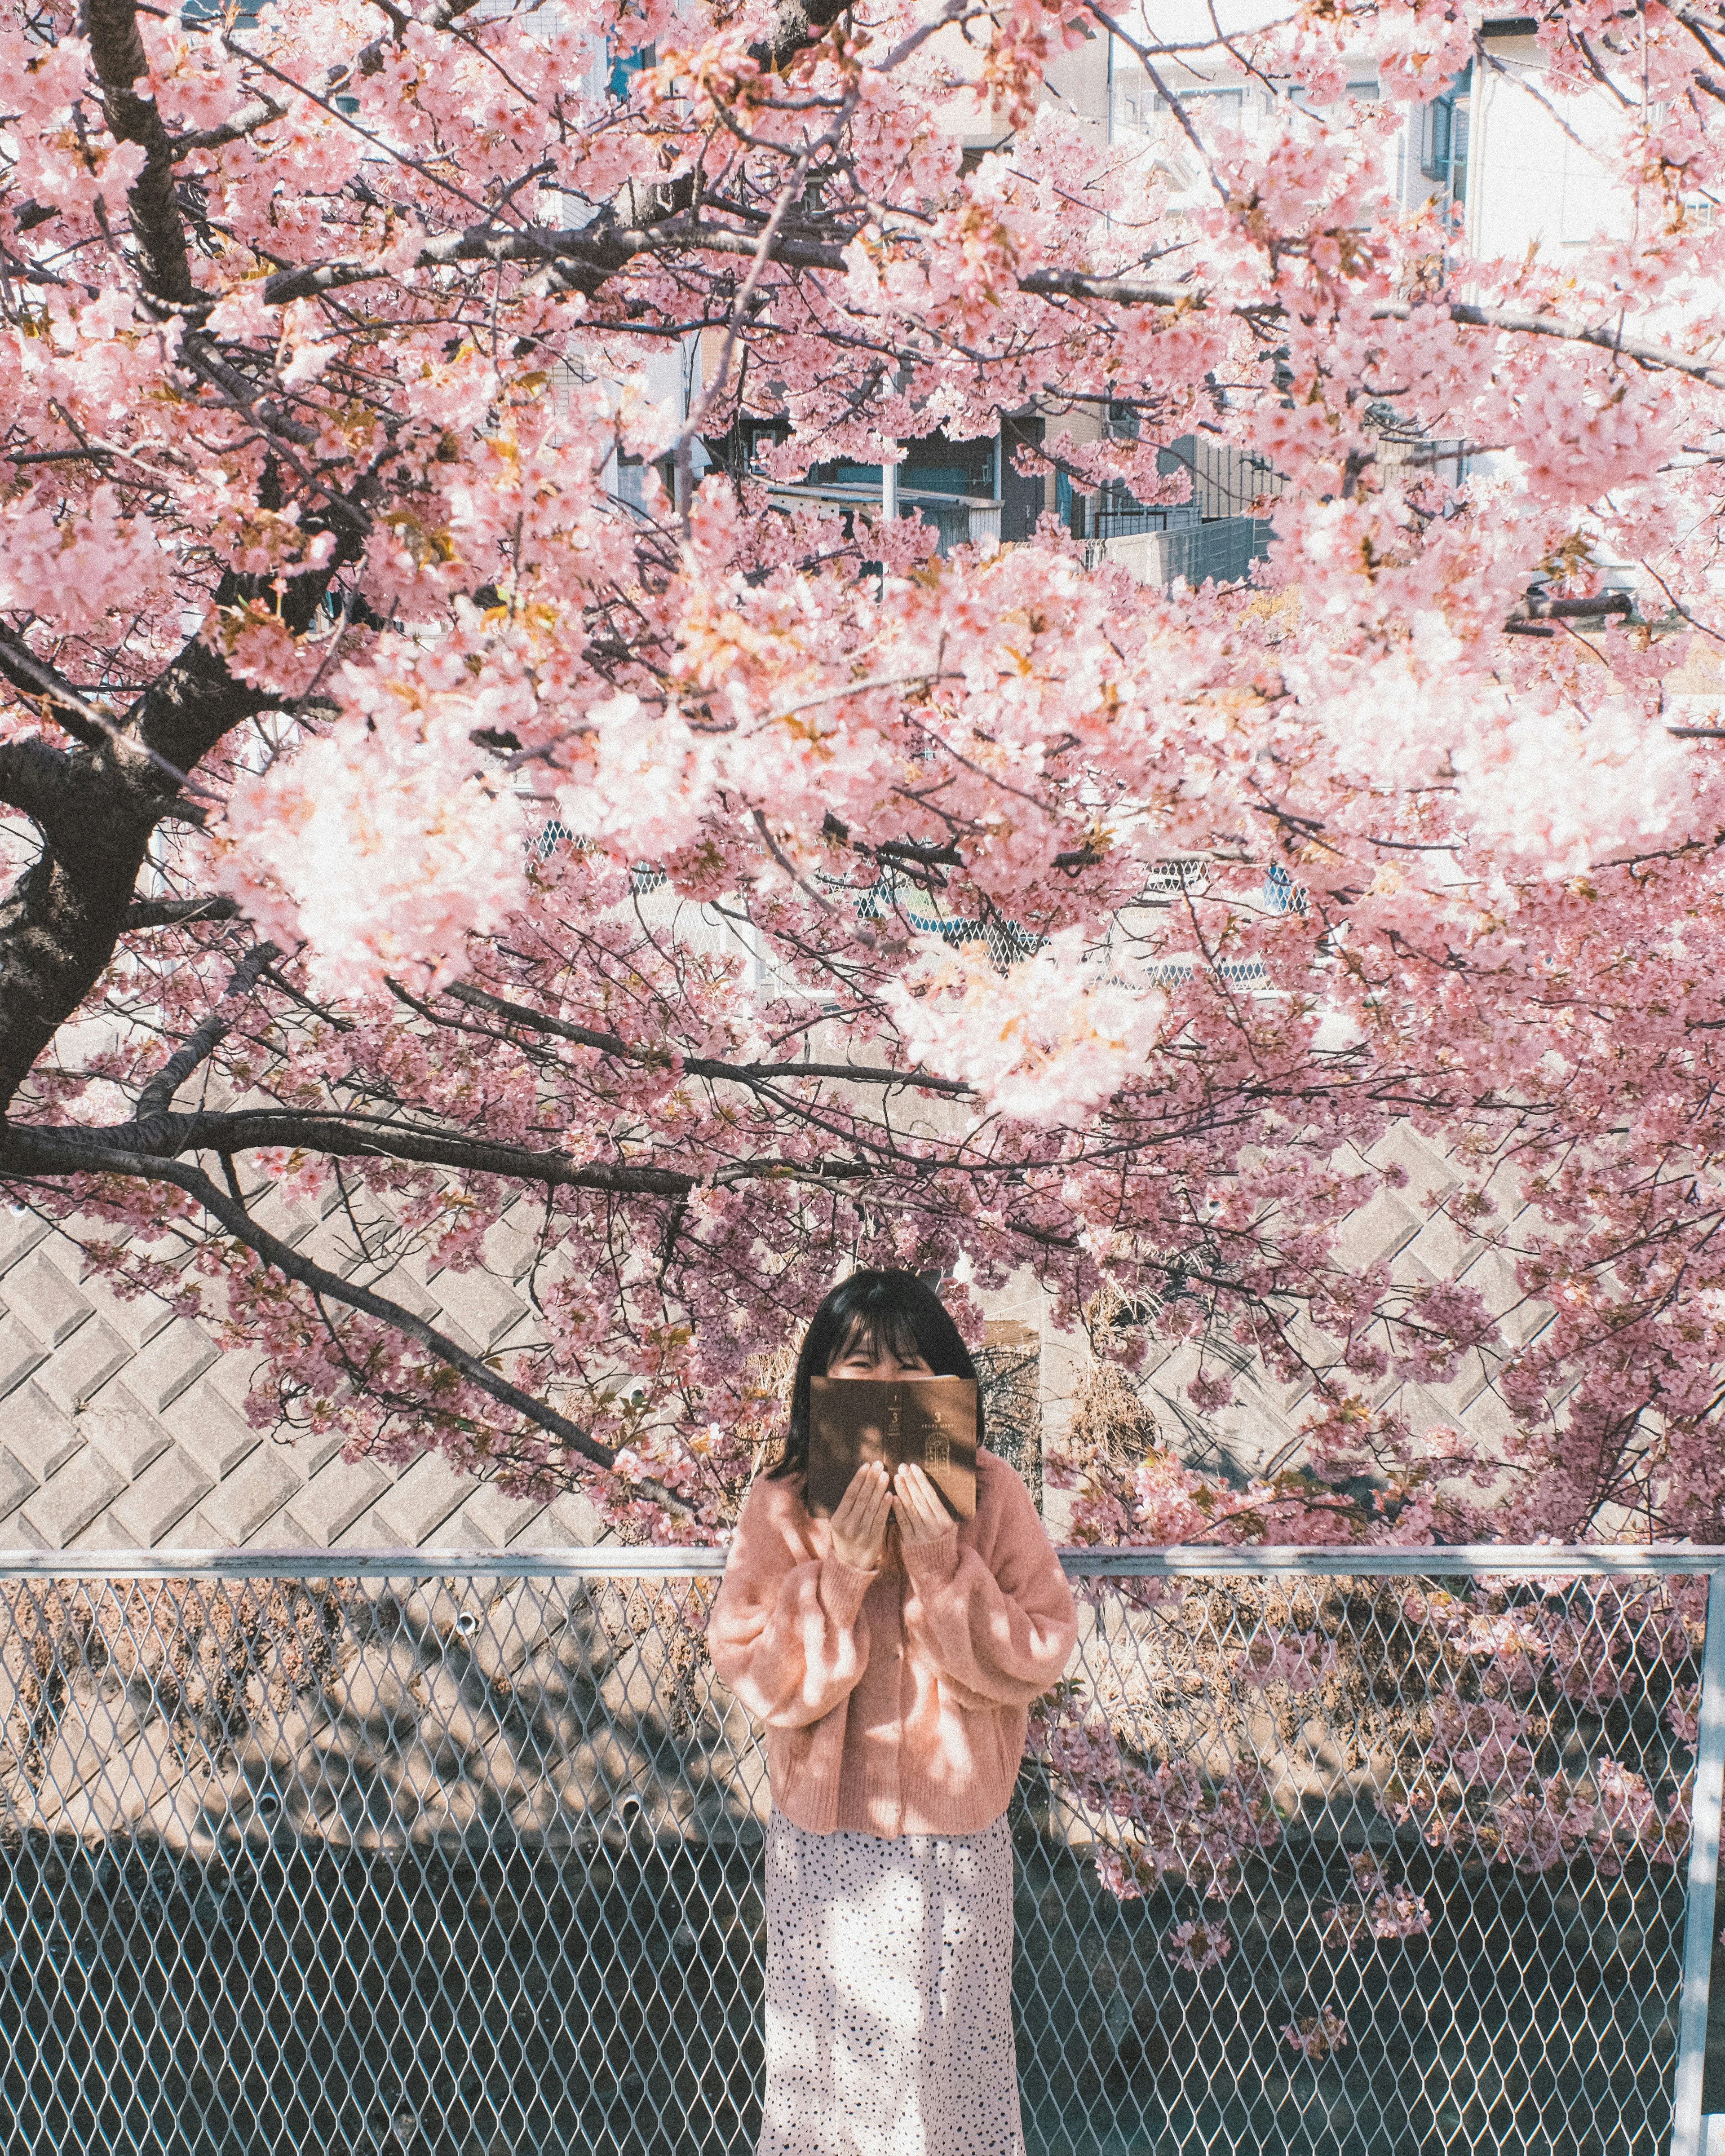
1512	165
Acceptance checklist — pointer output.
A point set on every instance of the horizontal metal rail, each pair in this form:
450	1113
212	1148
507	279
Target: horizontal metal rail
619	1560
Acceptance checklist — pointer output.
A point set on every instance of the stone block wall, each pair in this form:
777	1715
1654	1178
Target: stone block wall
124	1426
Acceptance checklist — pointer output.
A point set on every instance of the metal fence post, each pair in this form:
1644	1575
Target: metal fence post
1703	1882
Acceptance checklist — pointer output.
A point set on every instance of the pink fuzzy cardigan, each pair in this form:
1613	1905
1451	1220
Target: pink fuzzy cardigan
895	1700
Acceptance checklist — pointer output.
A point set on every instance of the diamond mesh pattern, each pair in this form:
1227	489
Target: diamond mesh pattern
469	1864
1382	1866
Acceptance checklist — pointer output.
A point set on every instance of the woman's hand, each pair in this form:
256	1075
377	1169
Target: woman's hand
860	1523
922	1516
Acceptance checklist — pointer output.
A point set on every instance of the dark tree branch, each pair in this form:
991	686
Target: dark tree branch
589	258
262	110
33	778
700	1066
157	1096
797	24
1538	610
166	1133
48	689
39	1152
71	711
176	912
60	921
520	1014
116	52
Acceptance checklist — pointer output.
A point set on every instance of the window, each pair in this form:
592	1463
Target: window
935	465
759	435
1437	134
1442	137
1213	107
625	66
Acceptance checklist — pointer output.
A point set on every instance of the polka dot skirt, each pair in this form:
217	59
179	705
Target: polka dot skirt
888	1995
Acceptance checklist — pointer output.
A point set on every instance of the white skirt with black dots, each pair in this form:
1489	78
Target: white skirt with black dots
888	1995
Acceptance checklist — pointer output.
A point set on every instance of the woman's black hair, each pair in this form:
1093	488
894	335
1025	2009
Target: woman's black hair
885	1309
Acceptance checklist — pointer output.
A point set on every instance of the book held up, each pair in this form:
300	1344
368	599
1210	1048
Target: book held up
928	1423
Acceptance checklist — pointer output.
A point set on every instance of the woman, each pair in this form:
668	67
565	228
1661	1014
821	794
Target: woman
892	1653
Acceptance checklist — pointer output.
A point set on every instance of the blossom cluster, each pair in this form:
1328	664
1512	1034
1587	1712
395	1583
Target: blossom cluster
1491	1801
1172	1821
1383	1909
1318	2035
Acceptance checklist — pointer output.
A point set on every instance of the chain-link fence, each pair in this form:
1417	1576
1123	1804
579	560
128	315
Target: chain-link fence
468	1864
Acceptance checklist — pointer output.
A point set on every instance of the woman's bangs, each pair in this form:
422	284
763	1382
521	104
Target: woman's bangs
893	1331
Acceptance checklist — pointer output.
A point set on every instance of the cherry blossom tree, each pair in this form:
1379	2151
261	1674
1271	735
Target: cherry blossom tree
401	820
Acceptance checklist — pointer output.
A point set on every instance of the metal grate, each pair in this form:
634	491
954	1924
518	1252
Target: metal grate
468	1863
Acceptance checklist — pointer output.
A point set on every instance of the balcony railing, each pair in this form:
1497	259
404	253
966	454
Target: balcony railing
1221	551
959	520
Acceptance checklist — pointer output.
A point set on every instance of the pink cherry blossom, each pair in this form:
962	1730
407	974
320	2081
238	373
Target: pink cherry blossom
1300	1662
1198	1946
1318	2036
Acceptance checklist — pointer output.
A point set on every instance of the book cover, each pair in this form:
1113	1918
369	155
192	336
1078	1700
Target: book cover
930	1422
